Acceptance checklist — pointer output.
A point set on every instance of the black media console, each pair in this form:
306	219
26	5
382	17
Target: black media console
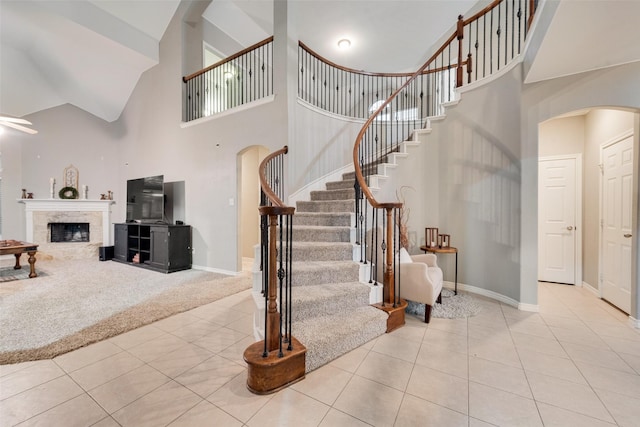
160	247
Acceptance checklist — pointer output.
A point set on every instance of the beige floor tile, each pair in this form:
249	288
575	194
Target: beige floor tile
483	332
445	341
243	324
596	356
181	360
584	337
631	360
289	408
137	336
500	376
567	395
204	414
413	329
440	388
177	321
352	360
87	355
496	352
474	422
530	343
106	422
195	330
624	409
444	360
612	380
455	326
216	314
78	412
494	321
531	328
417	412
623	346
553	416
615	329
571	323
10	369
35	374
558	367
324	384
336	418
501	408
386	370
235	399
157	347
34	401
123	390
105	370
370	401
235	352
220	339
208	376
397	347
159	407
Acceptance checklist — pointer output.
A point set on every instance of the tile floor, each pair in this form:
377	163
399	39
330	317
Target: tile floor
576	362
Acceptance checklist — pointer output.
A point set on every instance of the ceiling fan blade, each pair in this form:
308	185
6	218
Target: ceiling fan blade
10	119
19	127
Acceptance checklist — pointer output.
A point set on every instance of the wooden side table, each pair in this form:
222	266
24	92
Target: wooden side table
447	250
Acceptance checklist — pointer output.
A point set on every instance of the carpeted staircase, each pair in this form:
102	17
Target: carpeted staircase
332	314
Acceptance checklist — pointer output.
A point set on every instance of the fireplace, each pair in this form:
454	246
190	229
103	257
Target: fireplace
83	225
61	232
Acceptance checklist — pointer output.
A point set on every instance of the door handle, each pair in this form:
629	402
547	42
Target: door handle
570	228
627	235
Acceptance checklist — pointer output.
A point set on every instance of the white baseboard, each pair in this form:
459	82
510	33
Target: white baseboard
216	270
493	295
634	322
591	289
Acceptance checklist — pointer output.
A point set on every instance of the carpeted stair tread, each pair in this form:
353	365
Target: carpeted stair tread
316	272
339	194
310	233
341	185
326	299
326	342
322	251
328	219
326	206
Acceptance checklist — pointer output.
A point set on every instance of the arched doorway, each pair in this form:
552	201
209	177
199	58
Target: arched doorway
248	201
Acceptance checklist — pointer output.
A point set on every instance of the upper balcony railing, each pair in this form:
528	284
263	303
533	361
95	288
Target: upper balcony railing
237	80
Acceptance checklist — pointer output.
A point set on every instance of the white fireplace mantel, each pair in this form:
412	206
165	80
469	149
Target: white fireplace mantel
67	205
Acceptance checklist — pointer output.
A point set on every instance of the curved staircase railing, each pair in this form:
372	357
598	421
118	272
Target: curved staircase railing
279	359
495	36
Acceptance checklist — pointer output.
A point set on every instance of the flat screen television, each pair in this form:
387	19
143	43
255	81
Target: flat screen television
145	199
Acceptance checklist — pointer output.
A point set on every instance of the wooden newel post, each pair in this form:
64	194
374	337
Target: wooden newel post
459	36
389	274
272	334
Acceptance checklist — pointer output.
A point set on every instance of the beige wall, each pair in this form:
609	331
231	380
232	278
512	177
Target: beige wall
562	136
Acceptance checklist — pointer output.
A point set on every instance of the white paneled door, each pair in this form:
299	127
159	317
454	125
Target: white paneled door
557	219
617	183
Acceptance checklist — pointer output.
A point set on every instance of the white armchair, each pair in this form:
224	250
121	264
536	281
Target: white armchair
420	280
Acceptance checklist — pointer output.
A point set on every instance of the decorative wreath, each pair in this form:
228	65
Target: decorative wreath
68	193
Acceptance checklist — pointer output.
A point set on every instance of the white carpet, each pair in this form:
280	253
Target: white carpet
71	295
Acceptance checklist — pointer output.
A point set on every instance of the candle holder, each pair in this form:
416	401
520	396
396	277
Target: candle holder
430	237
444	240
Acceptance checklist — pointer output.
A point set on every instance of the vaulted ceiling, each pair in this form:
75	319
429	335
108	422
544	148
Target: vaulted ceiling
91	53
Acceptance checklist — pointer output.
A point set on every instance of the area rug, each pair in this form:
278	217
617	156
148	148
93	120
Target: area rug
81	302
452	307
8	274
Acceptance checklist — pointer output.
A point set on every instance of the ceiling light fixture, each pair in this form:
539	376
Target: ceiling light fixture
344	43
17	123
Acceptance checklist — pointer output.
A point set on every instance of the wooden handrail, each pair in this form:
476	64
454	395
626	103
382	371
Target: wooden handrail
271	195
457	34
228	59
